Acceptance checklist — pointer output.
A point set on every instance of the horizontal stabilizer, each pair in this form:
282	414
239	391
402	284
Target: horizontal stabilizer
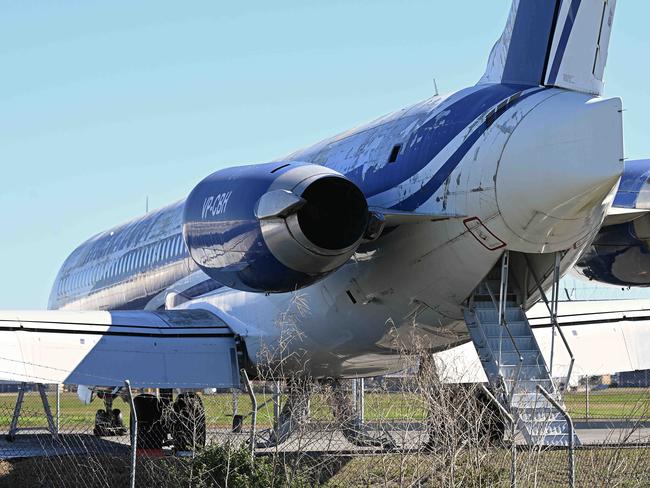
620	215
170	349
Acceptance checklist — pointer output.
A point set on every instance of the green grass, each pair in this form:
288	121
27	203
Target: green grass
468	467
491	468
614	403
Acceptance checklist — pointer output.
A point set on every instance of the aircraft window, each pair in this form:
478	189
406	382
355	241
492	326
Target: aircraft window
394	153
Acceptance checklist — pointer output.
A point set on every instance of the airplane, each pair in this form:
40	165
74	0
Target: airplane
433	225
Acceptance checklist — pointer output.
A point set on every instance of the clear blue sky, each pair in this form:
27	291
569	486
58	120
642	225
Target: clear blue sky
104	103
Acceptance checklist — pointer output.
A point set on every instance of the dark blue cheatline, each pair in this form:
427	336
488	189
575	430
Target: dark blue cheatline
423	194
564	39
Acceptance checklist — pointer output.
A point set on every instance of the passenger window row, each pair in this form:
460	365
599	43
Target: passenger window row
131	262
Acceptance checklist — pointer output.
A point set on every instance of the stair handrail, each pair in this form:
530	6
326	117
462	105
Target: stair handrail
567	417
554	324
514	343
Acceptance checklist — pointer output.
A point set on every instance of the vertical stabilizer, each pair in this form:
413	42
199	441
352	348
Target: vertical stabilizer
560	43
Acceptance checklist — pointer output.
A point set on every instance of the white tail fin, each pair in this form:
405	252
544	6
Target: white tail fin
559	43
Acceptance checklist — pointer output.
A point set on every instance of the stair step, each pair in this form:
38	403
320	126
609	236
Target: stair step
491	315
531	372
529	385
517	328
530	357
522	342
539	421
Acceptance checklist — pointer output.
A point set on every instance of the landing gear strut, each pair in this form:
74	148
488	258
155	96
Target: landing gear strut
109	421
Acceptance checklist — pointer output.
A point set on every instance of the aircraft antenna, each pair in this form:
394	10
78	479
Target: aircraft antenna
435	86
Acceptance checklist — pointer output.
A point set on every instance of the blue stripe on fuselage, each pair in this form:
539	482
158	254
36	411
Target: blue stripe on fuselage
433	137
425	192
564	39
529	44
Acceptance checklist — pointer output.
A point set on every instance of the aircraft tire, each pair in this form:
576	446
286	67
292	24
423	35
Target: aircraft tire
188	428
151	429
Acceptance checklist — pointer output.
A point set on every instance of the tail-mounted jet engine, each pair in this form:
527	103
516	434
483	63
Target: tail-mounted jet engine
274	227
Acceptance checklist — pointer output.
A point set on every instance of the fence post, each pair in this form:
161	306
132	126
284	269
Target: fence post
58	408
134	431
587	399
251	394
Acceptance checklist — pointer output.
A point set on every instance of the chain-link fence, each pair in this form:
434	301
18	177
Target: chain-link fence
388	431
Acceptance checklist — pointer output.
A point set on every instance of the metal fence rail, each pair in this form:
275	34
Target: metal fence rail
439	434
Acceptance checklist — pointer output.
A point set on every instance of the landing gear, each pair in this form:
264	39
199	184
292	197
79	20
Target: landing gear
346	406
161	422
293	415
152	431
109	421
188	422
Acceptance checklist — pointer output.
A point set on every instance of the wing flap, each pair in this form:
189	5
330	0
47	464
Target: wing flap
178	348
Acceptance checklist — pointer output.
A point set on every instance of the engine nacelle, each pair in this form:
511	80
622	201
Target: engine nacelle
273	227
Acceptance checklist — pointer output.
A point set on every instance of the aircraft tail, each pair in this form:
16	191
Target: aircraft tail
561	43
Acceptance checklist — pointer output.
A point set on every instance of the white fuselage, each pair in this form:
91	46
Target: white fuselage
537	180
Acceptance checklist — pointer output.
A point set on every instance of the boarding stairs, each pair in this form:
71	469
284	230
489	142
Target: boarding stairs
515	367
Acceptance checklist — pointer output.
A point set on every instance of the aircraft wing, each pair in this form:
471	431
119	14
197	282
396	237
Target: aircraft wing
175	348
632	199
